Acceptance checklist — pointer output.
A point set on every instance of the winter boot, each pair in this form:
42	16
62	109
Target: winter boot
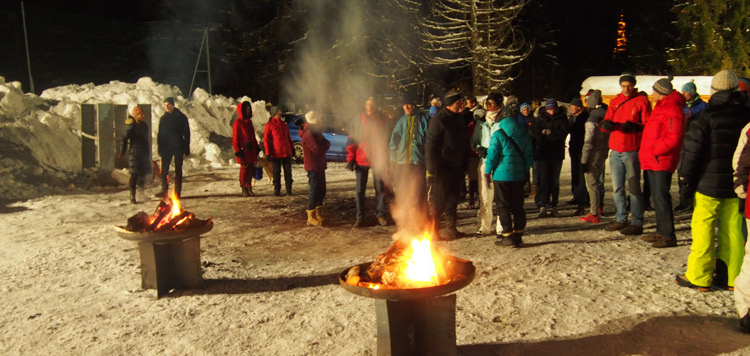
132	195
250	191
505	240
244	192
311	220
518	238
357	223
140	194
745	324
289	190
319	213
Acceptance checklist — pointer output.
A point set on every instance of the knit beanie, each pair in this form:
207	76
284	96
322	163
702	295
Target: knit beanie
451	97
169	100
723	80
690	88
525	105
409	98
312	117
577	102
663	86
627	77
594	98
551	103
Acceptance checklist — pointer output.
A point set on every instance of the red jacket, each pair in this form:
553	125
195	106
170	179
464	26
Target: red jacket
365	138
243	139
315	146
276	139
663	134
636	109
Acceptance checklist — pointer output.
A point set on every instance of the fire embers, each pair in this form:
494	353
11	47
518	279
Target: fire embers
168	216
407	264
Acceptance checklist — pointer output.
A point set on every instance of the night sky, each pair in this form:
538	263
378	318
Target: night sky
102	40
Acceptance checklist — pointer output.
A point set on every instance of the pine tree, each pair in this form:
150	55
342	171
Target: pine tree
478	35
713	34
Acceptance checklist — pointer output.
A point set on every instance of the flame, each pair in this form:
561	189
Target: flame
175	210
420	266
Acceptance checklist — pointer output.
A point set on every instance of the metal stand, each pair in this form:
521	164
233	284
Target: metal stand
166	265
417	327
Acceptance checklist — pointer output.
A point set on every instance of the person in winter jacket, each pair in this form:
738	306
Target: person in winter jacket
137	136
694	106
314	147
173	141
435	105
445	154
550	131
707	170
245	146
626	115
524	116
480	143
407	156
368	140
475	114
577	120
508	162
741	164
594	155
279	149
659	153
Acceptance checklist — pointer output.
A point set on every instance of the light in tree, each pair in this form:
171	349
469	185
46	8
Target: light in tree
622	40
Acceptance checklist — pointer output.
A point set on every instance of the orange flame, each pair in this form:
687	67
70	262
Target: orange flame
176	209
421	268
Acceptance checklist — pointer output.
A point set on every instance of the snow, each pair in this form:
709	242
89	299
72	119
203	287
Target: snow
70	286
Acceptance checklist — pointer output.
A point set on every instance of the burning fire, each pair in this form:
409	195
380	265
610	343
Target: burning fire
174	211
407	264
169	216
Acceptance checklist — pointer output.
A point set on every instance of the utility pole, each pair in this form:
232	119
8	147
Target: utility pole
26	41
204	42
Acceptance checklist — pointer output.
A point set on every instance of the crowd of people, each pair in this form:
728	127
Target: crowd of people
508	153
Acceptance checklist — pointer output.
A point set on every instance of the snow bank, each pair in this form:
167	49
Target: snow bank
610	85
40	136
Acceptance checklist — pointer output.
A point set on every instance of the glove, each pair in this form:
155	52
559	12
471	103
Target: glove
630	127
351	165
482	152
546	132
584	168
607	125
487	179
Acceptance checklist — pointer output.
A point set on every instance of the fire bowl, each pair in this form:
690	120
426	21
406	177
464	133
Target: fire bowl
464	271
163	235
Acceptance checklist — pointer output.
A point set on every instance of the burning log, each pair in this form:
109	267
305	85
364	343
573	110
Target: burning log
167	217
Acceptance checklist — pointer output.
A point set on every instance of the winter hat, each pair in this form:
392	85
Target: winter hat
551	103
509	110
577	102
690	88
409	99
525	105
169	100
497	98
511	99
451	97
743	84
723	80
663	86
594	98
627	77
312	117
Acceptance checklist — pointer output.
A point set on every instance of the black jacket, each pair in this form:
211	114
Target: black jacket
577	133
552	146
710	142
174	134
445	142
137	134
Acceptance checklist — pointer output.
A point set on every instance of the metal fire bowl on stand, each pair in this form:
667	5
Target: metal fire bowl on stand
465	269
163	236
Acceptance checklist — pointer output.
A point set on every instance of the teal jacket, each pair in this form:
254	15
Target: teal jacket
504	162
408	137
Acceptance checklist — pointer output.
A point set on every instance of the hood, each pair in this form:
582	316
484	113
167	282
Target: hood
674	97
240	110
729	96
594	99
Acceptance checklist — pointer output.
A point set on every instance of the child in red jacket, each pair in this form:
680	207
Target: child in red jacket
314	147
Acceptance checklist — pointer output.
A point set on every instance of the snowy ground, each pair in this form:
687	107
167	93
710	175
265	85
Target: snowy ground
70	286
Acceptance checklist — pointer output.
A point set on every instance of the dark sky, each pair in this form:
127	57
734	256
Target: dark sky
101	40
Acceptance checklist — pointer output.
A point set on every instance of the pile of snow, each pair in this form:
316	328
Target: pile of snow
610	85
40	136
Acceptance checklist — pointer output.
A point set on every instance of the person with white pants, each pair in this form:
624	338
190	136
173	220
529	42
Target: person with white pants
480	142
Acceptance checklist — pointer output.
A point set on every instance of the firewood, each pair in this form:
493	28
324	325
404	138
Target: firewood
171	224
138	222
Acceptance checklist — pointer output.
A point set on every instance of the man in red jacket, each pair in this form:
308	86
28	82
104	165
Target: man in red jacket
624	120
660	151
278	145
245	146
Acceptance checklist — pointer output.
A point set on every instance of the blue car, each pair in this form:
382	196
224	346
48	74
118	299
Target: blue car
337	138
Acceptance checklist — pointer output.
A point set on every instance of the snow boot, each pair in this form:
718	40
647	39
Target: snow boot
311	220
132	195
505	240
250	191
244	192
319	213
289	190
517	238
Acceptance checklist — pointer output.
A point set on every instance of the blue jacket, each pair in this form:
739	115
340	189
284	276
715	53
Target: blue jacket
408	137
504	162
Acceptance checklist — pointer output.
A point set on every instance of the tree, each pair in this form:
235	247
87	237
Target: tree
713	34
477	35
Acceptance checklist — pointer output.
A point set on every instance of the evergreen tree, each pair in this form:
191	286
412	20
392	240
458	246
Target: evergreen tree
713	34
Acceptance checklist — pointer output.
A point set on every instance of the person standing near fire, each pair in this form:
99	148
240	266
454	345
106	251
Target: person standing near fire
139	162
367	142
314	147
445	154
245	146
173	141
278	148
